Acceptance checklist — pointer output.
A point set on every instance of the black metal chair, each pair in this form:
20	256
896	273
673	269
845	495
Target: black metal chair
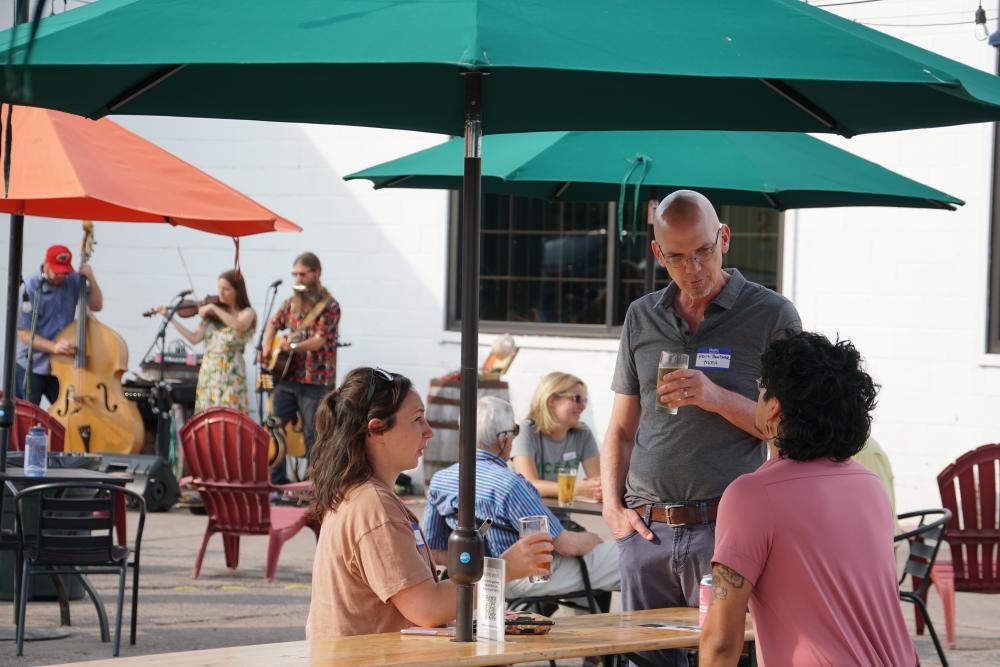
75	535
925	541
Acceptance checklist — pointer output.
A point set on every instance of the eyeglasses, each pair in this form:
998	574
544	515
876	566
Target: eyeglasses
701	255
376	373
512	431
576	398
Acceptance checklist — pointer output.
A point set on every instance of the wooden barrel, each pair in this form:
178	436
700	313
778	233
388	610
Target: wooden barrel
443	402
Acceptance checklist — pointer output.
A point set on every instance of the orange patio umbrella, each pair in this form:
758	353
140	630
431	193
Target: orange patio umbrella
65	166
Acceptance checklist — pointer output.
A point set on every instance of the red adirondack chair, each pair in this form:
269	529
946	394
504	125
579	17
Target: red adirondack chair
968	489
226	452
26	415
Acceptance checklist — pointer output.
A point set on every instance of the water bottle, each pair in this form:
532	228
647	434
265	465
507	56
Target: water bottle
36	452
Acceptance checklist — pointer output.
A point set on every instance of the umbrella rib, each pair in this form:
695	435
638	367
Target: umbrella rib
135	91
561	189
396	180
772	200
806	105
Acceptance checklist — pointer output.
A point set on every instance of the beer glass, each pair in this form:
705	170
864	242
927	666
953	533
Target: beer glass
529	525
669	362
566	476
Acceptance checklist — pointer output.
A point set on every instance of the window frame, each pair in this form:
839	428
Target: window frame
452	301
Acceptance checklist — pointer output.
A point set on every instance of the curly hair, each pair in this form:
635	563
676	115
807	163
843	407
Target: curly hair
338	460
826	397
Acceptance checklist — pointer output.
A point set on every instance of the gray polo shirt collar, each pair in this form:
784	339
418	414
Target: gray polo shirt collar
724	299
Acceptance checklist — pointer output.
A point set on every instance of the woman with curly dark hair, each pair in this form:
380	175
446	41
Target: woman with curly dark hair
807	538
373	571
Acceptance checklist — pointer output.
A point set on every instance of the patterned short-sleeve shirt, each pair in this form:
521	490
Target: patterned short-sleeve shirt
318	367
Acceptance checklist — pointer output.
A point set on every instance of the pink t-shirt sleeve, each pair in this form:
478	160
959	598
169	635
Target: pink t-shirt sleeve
743	529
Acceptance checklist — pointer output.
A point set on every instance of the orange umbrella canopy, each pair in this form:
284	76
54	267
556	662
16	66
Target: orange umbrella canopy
65	166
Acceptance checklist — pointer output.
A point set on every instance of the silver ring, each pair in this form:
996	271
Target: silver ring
685	392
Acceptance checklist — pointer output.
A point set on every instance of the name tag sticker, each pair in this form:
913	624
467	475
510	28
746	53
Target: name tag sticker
418	536
717	358
569	456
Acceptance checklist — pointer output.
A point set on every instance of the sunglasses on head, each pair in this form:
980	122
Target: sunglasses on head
512	431
576	398
376	373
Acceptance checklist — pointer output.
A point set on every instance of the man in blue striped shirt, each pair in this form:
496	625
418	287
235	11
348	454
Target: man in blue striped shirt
505	496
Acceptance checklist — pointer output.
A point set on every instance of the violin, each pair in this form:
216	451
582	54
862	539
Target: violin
189	307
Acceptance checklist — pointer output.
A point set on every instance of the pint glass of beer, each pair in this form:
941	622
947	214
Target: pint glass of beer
529	525
669	362
566	476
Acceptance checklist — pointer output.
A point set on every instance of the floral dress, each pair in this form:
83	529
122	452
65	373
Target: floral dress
222	380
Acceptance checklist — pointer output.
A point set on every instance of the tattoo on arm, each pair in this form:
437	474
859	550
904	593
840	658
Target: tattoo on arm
724	578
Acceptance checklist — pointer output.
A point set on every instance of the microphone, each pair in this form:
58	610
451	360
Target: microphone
276	283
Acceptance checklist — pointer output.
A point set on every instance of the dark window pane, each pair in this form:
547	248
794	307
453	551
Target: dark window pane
528	253
496	212
583	302
494	254
493	299
534	215
534	301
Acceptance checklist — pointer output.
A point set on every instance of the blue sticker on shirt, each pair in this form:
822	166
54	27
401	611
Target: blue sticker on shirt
716	358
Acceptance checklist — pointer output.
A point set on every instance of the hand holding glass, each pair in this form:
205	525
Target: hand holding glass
529	525
669	362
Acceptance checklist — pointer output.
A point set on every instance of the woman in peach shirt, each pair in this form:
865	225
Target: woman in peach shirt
372	570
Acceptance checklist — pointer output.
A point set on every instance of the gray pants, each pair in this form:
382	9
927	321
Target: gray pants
665	573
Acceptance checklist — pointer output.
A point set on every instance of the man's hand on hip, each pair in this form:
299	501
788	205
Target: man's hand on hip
623	522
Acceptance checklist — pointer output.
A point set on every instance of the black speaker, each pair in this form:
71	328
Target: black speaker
152	478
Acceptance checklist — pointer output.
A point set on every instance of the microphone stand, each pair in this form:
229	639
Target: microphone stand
160	398
269	300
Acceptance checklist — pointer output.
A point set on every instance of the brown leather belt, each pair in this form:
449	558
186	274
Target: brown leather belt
679	515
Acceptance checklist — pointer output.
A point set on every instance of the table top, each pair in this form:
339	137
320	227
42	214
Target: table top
52	475
571	637
578	506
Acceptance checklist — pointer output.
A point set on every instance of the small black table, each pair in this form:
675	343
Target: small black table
15	479
577	506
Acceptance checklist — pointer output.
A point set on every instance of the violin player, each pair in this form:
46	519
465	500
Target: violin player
227	324
312	318
48	304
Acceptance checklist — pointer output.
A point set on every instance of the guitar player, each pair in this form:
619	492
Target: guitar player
310	319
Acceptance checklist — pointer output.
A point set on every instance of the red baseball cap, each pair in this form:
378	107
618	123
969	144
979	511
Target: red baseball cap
58	258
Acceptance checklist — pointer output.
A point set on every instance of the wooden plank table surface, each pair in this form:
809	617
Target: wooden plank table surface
571	637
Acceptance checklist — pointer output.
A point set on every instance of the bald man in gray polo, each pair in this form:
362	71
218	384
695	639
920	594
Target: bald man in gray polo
662	475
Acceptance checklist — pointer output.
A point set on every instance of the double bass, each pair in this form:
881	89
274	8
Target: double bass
91	404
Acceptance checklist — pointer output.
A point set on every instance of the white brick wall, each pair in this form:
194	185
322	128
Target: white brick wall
909	287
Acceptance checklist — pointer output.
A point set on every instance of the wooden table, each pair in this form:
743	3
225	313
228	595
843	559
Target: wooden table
577	506
571	637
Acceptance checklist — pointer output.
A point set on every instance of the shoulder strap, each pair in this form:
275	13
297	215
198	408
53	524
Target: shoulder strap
313	313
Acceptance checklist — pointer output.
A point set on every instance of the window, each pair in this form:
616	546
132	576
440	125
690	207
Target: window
558	268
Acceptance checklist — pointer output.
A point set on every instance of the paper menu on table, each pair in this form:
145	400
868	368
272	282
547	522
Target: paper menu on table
492	602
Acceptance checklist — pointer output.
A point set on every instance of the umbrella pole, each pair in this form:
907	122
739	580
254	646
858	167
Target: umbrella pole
465	546
14	247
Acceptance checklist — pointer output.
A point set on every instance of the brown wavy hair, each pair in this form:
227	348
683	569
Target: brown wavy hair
237	282
338	460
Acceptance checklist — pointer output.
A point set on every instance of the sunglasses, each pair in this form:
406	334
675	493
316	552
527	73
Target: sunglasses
299	274
512	431
376	373
576	398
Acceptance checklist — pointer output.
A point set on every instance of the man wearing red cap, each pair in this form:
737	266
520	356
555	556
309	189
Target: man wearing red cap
48	304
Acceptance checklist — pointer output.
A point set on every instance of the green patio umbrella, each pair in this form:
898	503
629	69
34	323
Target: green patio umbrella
469	66
780	170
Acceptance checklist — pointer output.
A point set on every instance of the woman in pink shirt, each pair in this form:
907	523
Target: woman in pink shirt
807	538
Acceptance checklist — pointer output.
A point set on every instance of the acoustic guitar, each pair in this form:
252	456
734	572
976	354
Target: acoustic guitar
279	361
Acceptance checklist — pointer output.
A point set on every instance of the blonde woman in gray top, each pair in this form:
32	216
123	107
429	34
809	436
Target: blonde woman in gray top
553	434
